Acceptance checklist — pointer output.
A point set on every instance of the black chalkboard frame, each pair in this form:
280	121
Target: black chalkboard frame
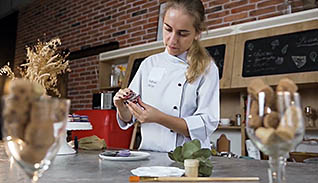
228	41
238	81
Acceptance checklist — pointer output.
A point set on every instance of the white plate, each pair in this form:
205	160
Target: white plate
79	126
158	171
134	155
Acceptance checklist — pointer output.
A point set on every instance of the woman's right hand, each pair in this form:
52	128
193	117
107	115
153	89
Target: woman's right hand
119	103
120	96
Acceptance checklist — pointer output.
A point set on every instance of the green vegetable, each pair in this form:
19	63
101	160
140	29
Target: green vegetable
193	150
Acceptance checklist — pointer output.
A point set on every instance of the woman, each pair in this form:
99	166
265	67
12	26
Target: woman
179	88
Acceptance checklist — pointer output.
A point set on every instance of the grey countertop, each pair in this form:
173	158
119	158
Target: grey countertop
86	166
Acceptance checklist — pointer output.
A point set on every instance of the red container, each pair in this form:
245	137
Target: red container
105	126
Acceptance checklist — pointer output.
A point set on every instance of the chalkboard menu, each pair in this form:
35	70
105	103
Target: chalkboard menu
218	54
281	54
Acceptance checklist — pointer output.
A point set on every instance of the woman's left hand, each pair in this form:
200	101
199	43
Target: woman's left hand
143	112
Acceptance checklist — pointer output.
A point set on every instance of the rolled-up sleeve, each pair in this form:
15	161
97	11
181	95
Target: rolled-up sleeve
123	125
205	119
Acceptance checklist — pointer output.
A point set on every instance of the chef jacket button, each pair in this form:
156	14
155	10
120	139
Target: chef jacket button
179	84
175	107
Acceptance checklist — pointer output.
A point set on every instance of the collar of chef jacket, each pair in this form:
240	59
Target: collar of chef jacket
182	57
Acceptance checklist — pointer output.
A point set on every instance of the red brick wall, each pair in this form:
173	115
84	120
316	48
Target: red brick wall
87	23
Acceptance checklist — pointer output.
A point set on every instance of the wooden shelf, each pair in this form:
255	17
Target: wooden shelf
312	129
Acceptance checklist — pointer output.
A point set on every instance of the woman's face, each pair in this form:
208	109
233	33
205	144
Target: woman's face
178	31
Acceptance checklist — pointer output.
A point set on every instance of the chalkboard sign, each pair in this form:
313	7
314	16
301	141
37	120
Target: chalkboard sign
218	54
282	54
134	69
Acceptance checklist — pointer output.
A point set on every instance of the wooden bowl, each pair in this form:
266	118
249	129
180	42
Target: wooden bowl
301	156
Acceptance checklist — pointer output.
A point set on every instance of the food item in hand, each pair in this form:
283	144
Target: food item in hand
132	97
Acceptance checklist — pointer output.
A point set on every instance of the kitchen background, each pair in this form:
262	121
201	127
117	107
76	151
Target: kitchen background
88	27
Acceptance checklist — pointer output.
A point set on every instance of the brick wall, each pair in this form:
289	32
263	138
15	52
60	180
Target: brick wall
87	23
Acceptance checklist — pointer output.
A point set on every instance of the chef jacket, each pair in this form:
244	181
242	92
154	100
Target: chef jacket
161	83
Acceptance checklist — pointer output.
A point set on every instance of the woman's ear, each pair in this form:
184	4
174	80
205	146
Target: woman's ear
197	37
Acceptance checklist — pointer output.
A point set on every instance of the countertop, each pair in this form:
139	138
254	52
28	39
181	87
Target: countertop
86	166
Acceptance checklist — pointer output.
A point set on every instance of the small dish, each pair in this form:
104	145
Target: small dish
158	171
134	155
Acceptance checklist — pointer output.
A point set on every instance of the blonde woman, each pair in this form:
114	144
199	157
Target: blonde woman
179	88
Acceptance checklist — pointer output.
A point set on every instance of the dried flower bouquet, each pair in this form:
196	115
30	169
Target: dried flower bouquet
45	61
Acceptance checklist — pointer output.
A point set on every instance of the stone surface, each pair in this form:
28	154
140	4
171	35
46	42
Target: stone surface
85	166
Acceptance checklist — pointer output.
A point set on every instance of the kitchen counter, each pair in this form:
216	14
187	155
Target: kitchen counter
85	166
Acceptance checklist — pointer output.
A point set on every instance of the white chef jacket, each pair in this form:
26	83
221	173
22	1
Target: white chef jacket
161	83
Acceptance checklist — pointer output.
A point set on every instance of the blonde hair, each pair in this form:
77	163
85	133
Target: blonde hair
198	57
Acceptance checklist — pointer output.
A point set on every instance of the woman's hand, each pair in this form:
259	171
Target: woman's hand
143	112
119	103
146	113
120	96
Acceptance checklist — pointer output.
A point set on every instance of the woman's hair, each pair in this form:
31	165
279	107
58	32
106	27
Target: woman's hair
198	57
